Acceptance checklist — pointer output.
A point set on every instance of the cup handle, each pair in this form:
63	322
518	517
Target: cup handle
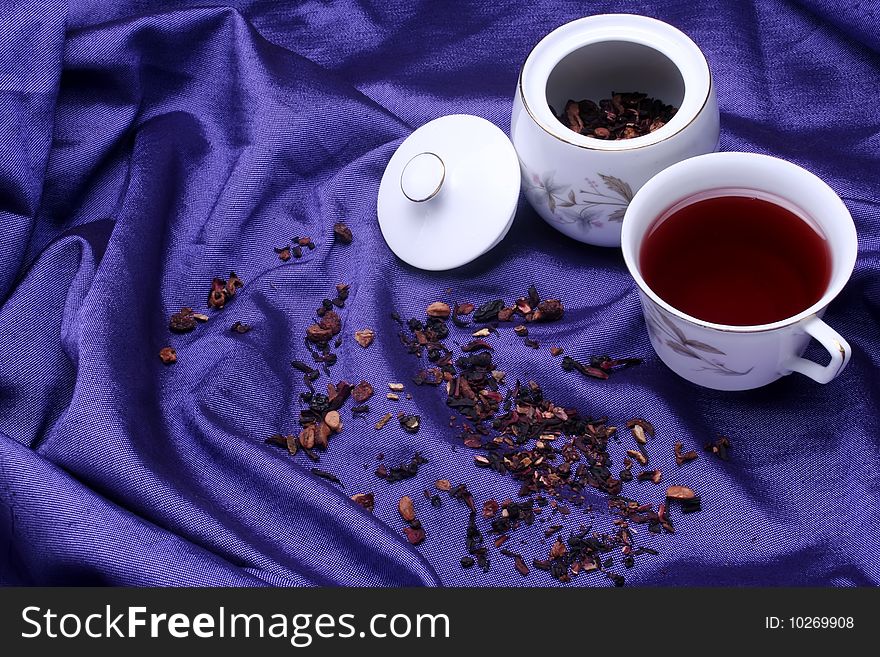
835	345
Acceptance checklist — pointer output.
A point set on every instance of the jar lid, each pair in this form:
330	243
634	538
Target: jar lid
449	192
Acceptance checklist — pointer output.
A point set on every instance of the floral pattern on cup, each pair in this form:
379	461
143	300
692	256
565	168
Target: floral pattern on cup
665	331
590	209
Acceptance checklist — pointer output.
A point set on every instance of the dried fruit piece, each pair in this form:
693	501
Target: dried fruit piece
488	312
342	233
639	434
558	549
331	322
438	309
318	334
680	493
650	475
646	426
365	337
395	387
443	484
638	456
406	509
333	421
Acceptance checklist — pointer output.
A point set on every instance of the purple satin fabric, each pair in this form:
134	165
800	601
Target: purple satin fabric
146	147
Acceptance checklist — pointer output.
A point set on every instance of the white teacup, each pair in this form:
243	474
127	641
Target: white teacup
743	357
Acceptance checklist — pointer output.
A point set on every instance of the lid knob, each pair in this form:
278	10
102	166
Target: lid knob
422	177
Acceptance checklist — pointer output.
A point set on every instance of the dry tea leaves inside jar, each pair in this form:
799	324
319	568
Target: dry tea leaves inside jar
623	116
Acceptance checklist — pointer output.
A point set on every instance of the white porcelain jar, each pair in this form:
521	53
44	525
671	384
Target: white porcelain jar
582	185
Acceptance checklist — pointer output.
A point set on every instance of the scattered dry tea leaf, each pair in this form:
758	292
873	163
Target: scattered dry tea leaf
547	311
644	424
650	475
168	355
719	448
556	351
217	295
183	321
683	457
362	392
342	233
366	500
318	334
558	549
415	535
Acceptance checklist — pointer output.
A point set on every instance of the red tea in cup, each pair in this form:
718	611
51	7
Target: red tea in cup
735	260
